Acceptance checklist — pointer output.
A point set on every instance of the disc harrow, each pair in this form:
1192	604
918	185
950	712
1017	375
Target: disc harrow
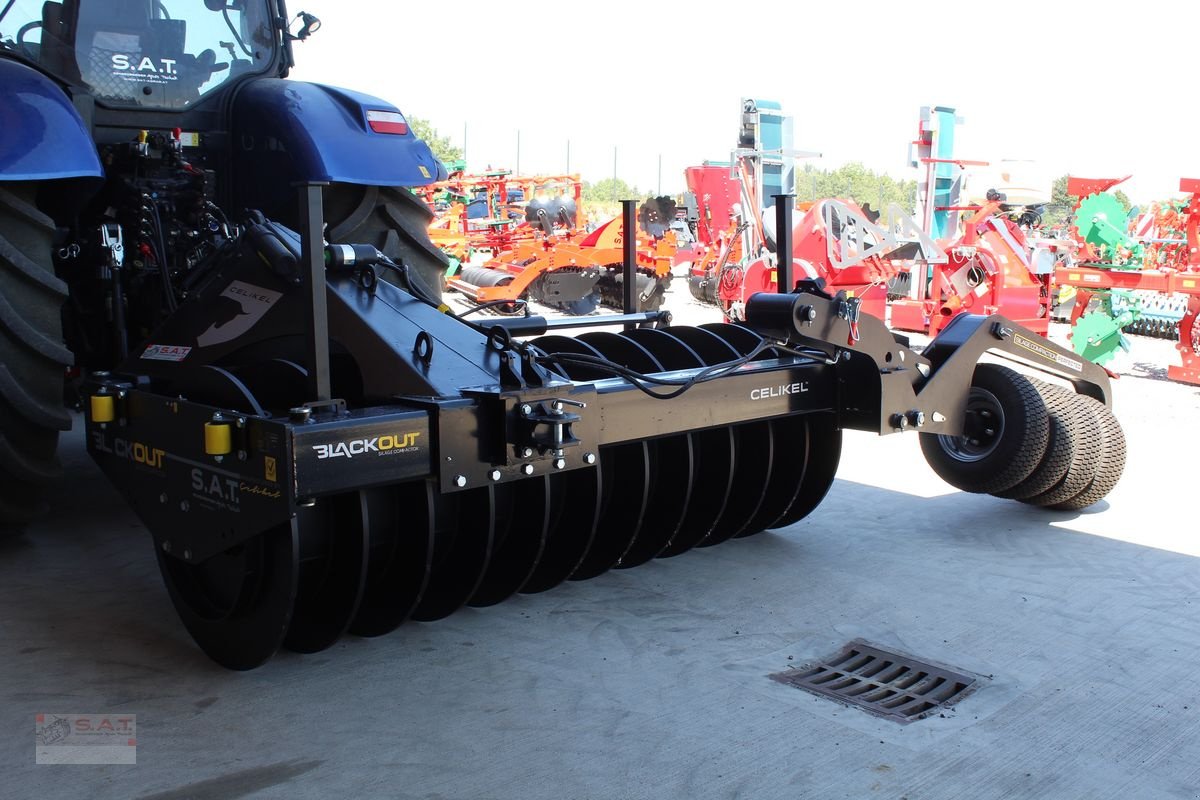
502	457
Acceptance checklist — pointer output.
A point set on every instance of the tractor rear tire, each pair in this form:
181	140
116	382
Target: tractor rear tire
392	219
1007	430
33	358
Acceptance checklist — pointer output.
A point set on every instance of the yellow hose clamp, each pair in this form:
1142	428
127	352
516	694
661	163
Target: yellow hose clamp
218	438
104	408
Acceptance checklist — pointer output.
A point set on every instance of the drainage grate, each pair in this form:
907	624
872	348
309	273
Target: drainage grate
886	684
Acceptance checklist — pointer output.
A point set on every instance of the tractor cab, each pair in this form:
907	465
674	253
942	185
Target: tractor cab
144	54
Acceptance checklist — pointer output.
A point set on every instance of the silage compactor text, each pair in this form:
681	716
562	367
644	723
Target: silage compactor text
317	446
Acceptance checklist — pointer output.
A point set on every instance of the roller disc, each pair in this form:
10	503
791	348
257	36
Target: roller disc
401	539
753	453
713	457
821	453
333	571
743	340
464	524
237	605
753	456
522	523
670	457
575	510
275	383
714	467
219	387
788	438
624	475
567	344
625	482
707	468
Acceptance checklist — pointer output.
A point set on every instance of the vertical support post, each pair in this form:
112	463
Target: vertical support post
312	259
614	197
785	281
629	264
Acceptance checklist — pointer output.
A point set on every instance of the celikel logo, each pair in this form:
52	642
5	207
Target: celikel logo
768	392
381	445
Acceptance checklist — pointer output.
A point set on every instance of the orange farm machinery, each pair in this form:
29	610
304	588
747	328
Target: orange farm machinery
497	211
577	272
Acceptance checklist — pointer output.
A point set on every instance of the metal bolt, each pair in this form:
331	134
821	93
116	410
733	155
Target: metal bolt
166	546
241	422
526	452
557	405
162	498
300	413
527	469
494	475
916	418
526	409
990	431
218	459
589	458
899	421
187	555
460	481
183	505
242	455
560	463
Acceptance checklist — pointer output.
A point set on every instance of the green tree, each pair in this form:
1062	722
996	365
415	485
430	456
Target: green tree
858	184
443	149
1062	205
611	190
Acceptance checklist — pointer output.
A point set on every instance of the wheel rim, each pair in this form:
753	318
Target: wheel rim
983	428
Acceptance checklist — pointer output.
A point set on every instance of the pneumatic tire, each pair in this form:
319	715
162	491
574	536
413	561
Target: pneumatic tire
1083	424
33	358
1110	464
1063	448
392	219
1005	434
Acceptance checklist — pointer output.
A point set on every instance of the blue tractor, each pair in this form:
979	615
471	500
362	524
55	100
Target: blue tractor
133	135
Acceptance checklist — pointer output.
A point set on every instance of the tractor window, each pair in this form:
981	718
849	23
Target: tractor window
147	53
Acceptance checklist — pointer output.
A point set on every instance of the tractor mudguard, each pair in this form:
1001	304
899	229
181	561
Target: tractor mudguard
42	136
290	131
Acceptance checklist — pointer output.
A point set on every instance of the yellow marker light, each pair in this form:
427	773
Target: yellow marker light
104	408
218	438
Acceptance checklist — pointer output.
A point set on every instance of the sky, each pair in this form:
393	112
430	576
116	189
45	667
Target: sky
1097	89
